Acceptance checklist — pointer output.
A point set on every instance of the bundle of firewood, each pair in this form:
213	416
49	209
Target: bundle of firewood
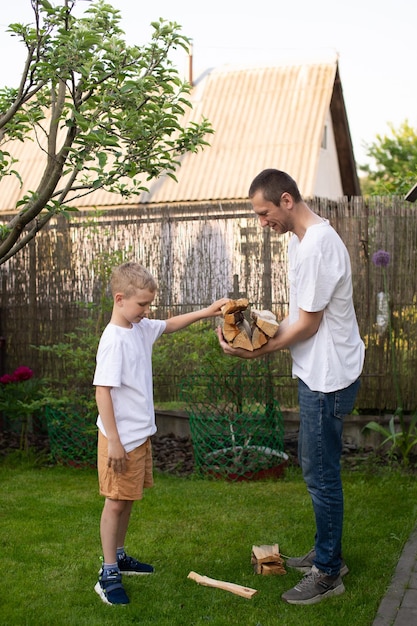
237	330
267	560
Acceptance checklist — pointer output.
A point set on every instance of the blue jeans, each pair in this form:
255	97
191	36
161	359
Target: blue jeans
319	453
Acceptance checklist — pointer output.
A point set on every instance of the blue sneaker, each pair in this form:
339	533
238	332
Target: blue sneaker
110	588
129	566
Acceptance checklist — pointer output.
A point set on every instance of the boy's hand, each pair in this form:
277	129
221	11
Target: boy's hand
216	308
117	456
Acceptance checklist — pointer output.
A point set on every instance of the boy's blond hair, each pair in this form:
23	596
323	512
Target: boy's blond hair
129	277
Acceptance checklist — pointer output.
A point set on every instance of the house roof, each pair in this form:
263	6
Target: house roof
262	117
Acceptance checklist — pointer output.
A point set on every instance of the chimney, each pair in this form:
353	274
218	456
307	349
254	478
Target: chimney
190	64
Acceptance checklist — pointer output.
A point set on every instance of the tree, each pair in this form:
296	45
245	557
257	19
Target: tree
395	158
105	115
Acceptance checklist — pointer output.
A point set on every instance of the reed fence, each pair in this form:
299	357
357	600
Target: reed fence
201	252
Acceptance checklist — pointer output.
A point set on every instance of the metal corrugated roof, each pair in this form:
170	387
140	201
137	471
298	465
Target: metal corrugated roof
262	117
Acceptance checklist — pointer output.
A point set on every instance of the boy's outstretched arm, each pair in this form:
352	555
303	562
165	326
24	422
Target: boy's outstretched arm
182	321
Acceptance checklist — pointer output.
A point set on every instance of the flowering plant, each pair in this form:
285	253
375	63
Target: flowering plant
381	258
21	396
405	438
20	374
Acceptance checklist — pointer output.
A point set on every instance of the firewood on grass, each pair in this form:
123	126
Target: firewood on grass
266	560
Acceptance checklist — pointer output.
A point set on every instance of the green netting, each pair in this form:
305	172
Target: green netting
72	437
236	424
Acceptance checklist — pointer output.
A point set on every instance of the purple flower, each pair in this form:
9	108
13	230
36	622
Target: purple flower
381	258
22	373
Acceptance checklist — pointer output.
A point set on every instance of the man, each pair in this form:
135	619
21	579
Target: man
322	334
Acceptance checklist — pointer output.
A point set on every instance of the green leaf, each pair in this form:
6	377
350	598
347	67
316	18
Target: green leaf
377	428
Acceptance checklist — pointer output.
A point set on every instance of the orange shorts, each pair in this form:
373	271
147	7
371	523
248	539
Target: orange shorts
127	485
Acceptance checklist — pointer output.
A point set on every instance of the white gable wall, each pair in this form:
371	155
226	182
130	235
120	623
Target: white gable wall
328	181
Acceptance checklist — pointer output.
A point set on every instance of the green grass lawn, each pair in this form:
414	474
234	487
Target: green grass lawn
50	548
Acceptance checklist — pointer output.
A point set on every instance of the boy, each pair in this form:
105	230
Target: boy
126	421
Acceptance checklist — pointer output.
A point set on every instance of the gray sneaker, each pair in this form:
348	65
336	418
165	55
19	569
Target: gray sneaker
305	563
314	587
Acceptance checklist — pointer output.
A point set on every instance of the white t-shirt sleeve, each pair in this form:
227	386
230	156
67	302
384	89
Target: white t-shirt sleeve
315	284
317	279
109	361
111	351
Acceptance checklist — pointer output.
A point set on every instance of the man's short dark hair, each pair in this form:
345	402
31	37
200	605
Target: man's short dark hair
273	183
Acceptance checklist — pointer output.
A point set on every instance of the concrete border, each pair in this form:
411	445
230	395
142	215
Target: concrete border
177	423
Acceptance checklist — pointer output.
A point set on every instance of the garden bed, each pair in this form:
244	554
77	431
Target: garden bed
173	454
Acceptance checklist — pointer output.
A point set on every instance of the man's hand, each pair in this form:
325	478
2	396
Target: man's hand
238	352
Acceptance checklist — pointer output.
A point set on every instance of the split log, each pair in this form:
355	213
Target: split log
259	338
235	305
267	560
231	324
230	331
239	590
265	321
267	569
244	338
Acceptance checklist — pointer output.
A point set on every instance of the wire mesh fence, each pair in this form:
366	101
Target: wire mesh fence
72	437
236	424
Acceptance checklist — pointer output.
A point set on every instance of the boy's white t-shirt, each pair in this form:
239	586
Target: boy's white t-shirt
320	279
124	363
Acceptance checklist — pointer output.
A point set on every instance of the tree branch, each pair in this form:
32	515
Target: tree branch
31	234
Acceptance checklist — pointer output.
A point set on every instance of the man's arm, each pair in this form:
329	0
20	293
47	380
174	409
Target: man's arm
116	453
287	334
182	321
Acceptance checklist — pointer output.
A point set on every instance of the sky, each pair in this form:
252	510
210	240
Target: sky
374	41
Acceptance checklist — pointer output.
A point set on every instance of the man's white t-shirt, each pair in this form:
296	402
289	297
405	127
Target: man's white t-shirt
320	279
124	363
